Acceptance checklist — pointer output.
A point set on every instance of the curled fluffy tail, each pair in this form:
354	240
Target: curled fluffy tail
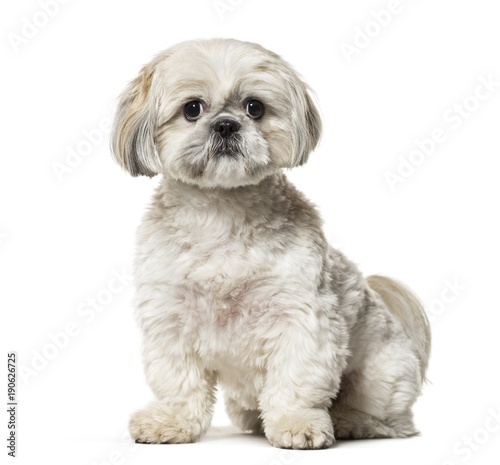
406	306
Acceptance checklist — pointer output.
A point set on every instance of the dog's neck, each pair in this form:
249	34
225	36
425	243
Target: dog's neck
177	192
254	204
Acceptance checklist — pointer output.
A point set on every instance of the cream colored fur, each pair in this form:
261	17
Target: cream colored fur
236	285
406	306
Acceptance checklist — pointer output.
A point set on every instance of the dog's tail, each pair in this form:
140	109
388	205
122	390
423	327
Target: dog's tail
406	306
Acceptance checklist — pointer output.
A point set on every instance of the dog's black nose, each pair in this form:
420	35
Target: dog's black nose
226	127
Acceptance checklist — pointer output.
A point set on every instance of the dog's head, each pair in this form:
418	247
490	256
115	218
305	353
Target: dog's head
217	113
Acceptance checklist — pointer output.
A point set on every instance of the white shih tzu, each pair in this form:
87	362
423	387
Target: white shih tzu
235	282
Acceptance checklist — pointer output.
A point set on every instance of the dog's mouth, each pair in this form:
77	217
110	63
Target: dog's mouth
227	153
219	147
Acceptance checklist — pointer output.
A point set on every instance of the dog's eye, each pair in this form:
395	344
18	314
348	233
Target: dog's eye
193	110
255	109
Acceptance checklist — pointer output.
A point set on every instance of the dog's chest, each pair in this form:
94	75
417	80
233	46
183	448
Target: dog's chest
226	268
224	276
221	257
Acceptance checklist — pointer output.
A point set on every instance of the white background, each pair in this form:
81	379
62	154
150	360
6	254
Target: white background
62	238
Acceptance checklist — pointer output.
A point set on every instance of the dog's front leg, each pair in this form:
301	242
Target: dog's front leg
184	390
303	375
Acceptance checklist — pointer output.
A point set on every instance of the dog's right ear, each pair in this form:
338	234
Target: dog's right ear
133	136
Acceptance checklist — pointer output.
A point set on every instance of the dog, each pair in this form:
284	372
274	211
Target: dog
235	283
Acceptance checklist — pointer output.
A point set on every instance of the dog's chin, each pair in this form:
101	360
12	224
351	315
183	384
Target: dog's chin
229	154
227	169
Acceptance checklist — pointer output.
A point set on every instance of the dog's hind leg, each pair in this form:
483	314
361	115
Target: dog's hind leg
389	353
375	400
374	408
349	423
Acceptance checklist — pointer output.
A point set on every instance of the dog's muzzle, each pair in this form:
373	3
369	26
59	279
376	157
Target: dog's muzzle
225	139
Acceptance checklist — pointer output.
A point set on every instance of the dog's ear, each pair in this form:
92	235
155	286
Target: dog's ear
133	135
305	121
309	120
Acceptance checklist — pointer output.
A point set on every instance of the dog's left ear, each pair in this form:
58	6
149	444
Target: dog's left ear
306	121
313	125
133	135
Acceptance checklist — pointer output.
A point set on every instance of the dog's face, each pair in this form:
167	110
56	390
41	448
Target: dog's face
216	113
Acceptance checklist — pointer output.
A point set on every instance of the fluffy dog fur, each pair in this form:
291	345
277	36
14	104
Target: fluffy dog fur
235	282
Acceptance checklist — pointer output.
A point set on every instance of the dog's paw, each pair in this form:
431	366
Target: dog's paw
157	425
304	429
